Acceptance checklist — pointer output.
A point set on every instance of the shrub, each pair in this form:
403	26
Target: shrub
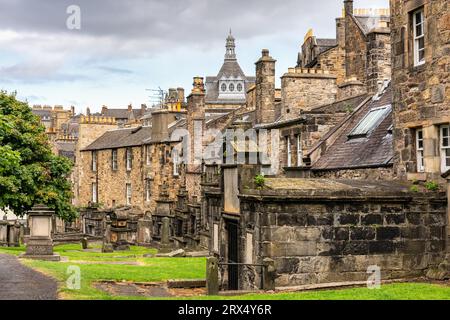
260	181
432	186
414	188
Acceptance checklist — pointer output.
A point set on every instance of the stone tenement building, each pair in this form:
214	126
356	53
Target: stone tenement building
360	52
421	69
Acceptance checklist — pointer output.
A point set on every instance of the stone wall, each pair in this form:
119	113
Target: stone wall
329	240
421	93
304	89
333	60
355	50
89	131
357	174
112	184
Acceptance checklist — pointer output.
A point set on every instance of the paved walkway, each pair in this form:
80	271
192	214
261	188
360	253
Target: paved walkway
18	282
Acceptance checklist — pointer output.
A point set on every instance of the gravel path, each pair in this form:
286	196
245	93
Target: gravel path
18	282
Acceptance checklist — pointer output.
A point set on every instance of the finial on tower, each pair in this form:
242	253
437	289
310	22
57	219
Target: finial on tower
231	46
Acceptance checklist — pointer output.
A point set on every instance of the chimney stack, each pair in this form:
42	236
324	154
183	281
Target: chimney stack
160	124
104	110
348	5
265	88
130	107
180	94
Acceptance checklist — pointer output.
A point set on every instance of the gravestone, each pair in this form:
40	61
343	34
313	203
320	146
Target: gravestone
212	276
40	243
84	243
165	235
14	234
4	232
107	245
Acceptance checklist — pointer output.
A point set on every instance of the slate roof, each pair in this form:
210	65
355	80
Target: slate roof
121	113
121	138
341	105
374	150
229	69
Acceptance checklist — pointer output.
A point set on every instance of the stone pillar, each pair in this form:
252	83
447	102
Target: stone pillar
431	150
40	244
269	275
212	276
265	88
165	234
107	246
4	232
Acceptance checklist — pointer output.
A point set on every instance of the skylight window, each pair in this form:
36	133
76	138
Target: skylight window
370	122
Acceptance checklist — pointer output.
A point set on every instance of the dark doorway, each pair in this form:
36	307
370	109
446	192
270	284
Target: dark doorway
233	255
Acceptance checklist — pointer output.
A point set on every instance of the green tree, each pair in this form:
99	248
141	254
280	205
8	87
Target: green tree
29	172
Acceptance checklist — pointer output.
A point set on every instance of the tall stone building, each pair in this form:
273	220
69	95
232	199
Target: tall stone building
421	69
228	90
360	52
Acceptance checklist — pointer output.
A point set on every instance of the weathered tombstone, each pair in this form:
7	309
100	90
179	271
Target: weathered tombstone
21	233
212	276
107	245
4	232
269	274
14	233
165	235
40	244
84	243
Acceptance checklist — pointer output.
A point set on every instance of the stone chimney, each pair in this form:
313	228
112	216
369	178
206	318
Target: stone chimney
348	7
180	92
130	107
88	111
72	110
195	121
160	124
265	88
104	109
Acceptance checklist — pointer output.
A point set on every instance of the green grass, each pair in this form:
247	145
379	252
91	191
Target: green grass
162	269
97	266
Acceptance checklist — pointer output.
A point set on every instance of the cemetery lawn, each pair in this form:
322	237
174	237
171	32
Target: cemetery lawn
131	266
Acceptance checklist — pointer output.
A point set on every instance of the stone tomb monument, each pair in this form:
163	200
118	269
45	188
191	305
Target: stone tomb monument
40	244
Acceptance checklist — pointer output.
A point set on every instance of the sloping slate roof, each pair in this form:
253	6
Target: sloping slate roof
230	69
121	138
342	105
375	150
121	113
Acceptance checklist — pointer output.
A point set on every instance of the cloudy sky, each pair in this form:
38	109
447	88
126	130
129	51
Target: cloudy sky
126	47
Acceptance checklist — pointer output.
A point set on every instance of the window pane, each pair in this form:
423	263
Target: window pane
418	17
421	43
445	142
370	121
445	131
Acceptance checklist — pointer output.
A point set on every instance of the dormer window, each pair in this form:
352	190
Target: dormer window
231	87
239	87
224	87
370	122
